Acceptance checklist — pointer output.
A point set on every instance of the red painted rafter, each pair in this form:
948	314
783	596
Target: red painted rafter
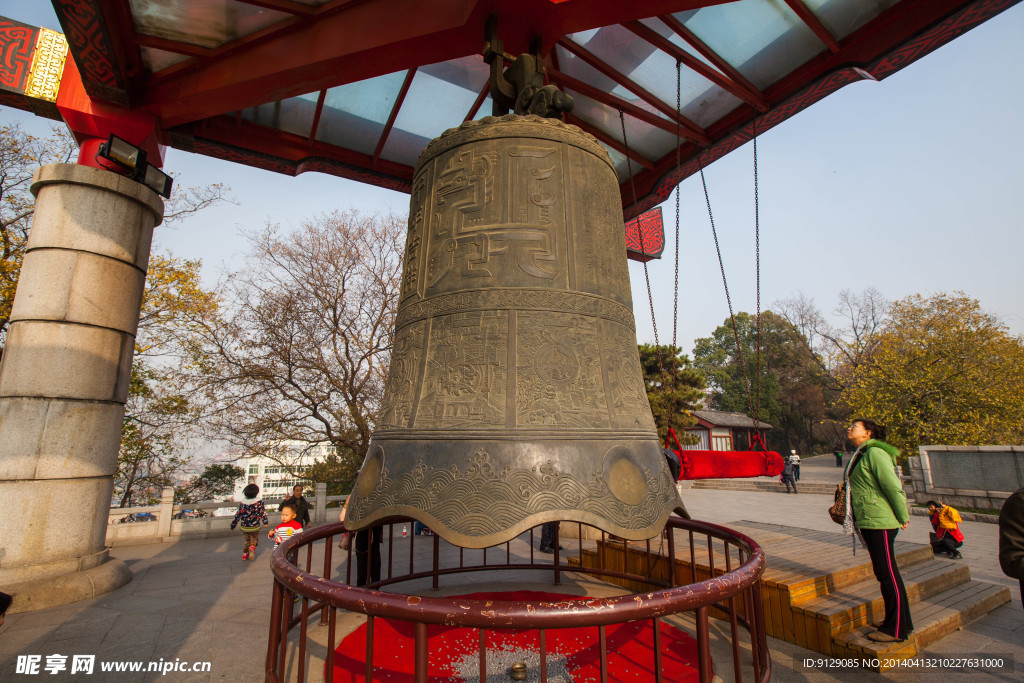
479	100
175	46
648	97
614	102
294	148
316	114
282	6
393	115
361	39
665	45
814	24
709	54
610	141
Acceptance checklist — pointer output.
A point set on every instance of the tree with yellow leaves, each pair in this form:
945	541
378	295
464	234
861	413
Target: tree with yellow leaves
942	371
161	407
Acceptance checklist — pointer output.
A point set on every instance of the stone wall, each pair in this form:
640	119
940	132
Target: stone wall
981	477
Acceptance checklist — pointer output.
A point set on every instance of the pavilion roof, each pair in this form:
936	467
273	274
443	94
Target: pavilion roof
357	88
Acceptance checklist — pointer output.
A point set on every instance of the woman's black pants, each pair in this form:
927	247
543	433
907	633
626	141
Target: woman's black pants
883	560
368	542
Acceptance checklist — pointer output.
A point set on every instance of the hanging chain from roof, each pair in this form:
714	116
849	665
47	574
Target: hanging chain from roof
757	269
640	232
725	283
675	291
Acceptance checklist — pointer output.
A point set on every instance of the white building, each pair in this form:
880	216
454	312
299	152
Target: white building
278	474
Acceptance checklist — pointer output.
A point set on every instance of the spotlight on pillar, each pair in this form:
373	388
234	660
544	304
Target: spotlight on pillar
158	181
133	160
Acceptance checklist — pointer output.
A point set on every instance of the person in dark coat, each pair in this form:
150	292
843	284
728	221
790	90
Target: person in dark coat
789	475
1011	537
298	503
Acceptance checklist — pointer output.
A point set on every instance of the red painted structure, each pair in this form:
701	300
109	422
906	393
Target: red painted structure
702	464
195	90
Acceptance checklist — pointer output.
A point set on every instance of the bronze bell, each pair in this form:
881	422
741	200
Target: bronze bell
515	394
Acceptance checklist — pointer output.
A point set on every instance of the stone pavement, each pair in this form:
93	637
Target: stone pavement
196	601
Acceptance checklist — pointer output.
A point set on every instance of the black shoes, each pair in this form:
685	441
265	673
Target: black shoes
548	549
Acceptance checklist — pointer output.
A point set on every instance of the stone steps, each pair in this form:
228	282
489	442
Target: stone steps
774	486
817	594
934	617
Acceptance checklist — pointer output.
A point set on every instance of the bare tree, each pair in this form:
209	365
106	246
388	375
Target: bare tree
837	348
301	354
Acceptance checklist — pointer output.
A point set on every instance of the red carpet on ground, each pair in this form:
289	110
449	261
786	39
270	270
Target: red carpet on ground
630	648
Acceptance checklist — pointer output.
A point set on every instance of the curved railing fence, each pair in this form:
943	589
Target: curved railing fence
694	569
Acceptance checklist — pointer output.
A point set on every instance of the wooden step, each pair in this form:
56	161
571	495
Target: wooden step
854	606
934	617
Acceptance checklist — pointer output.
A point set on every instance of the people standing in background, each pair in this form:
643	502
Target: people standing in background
299	504
788	476
838	453
795	460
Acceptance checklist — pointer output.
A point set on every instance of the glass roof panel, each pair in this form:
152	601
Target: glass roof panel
208	23
648	141
294	115
485	108
439	98
574	66
619	162
762	39
645	65
354	115
673	37
155	60
843	17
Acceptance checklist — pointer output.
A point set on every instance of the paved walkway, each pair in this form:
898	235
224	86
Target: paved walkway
196	601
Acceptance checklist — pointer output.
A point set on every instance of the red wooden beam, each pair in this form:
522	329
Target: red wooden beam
807	16
598	95
665	45
709	54
393	115
636	89
609	140
272	142
359	39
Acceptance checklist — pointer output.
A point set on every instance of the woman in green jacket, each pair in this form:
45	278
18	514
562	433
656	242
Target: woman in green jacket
878	506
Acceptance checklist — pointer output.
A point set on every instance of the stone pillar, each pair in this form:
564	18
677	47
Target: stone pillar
320	512
64	381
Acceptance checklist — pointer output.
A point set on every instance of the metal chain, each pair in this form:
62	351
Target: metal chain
675	291
640	232
757	269
728	299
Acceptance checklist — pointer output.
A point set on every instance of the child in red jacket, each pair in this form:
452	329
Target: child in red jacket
287	528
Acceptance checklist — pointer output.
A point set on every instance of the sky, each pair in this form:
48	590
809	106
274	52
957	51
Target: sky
912	185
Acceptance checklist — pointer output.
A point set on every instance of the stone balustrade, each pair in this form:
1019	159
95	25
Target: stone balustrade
164	522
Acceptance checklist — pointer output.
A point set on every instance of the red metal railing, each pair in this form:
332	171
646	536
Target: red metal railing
687	580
